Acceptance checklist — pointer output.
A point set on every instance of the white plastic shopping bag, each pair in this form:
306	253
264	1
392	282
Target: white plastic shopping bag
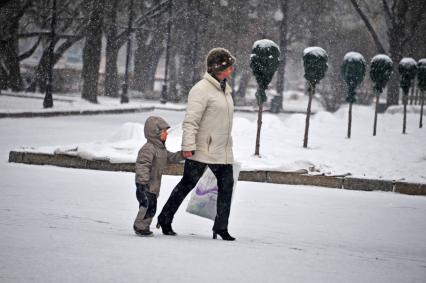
204	195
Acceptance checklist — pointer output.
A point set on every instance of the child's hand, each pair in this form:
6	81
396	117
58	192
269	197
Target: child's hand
186	154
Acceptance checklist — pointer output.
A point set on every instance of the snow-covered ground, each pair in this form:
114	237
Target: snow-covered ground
70	225
16	102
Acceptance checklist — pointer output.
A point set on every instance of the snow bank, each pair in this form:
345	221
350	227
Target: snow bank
123	146
399	109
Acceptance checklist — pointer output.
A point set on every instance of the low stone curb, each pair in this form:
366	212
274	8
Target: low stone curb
36	97
410	188
350	183
276	177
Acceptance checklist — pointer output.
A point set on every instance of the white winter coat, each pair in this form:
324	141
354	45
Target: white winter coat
207	125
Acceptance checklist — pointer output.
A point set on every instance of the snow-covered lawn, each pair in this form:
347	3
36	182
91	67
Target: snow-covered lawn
33	102
70	225
16	102
390	155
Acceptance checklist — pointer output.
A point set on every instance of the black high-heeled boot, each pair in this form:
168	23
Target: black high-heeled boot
166	228
223	234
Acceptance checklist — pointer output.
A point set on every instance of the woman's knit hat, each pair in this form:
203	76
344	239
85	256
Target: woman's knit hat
219	59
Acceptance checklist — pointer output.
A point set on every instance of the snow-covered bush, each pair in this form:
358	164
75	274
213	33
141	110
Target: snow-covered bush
315	63
353	72
407	68
264	61
421	74
380	71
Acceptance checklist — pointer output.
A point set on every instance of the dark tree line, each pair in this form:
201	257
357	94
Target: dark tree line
369	27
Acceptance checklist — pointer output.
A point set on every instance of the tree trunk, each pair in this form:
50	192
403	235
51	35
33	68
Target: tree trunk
375	112
404	101
283	48
40	73
350	120
184	76
413	87
173	93
92	52
311	91
42	67
112	49
242	87
9	48
259	127
187	76
111	71
14	79
147	56
200	24
153	63
141	51
395	50
3	77
422	102
10	14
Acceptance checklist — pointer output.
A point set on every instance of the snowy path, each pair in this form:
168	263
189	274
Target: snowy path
68	225
74	225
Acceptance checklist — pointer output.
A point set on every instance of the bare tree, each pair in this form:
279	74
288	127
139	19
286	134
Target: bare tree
112	48
149	48
70	29
283	29
190	47
403	17
92	52
10	14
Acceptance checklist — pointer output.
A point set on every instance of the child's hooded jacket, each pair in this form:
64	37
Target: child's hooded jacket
153	157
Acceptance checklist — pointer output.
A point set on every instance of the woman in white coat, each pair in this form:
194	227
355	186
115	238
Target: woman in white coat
207	141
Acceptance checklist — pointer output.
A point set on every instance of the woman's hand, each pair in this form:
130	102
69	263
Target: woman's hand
186	154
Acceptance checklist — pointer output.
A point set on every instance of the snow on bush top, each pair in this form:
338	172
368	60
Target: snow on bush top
354	56
382	57
264	43
421	74
315	50
422	62
408	62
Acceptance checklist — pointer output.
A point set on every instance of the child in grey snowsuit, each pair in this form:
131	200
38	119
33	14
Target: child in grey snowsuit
152	160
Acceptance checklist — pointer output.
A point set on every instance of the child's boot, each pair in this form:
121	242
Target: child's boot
142	232
141	225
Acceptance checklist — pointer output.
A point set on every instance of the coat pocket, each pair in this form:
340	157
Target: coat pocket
209	142
203	142
218	143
